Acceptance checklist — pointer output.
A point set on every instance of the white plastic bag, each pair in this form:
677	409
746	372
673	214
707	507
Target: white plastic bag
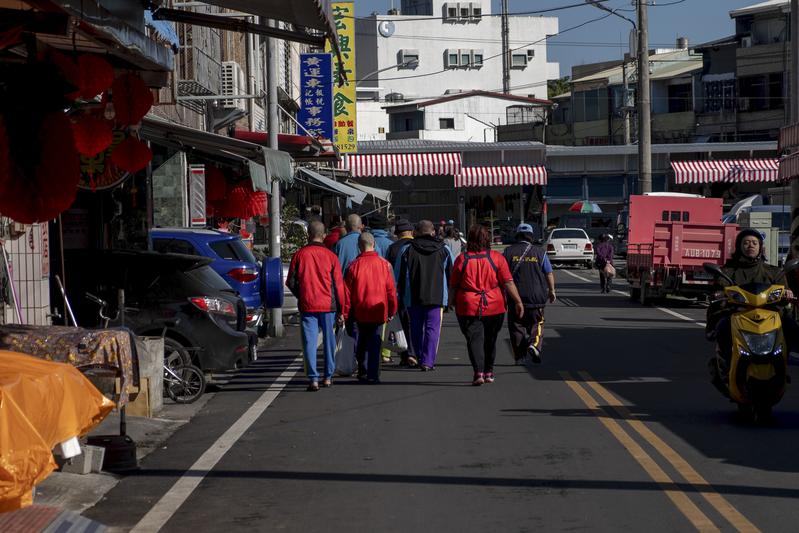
345	353
394	327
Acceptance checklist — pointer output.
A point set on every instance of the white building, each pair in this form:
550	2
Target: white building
434	48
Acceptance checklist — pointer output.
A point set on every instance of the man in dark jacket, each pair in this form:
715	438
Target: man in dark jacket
425	268
403	230
315	279
532	274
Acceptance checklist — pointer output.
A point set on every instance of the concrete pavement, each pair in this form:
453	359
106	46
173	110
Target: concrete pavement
619	428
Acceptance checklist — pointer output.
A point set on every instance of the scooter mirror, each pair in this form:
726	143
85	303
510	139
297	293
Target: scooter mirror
791	265
712	268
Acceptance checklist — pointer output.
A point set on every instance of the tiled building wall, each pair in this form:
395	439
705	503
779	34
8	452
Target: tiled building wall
29	259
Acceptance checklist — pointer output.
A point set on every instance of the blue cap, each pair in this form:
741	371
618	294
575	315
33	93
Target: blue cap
524	228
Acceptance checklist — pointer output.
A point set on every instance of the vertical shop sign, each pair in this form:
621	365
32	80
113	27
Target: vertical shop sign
345	134
316	80
197	195
45	233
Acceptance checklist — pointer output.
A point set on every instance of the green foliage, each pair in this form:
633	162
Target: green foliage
558	87
293	236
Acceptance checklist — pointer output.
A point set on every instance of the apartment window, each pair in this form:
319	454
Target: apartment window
590	105
464	12
451	58
477	12
719	95
761	93
477	58
518	60
466	58
451	11
680	98
446	123
408	58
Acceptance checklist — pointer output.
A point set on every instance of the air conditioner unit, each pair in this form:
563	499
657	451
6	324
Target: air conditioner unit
464	10
451	11
233	83
476	11
407	55
746	42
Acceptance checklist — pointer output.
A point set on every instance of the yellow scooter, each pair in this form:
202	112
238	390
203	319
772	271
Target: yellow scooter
756	372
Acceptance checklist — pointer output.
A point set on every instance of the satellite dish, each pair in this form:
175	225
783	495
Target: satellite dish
633	43
386	28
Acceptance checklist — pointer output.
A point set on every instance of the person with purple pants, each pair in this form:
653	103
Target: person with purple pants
425	269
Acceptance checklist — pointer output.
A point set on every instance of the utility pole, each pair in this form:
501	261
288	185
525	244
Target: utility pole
625	102
794	88
276	325
644	126
505	49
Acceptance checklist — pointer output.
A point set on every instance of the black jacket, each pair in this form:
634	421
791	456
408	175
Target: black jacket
425	269
528	272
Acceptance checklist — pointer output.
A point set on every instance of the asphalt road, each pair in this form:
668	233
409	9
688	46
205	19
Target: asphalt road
618	430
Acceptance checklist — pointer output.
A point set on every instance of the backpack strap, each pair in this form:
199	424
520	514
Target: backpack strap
483	296
519	263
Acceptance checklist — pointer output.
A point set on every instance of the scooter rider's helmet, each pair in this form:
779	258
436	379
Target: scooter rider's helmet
749	232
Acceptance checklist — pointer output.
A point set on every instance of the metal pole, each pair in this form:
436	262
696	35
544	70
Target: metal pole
505	49
794	88
644	126
276	326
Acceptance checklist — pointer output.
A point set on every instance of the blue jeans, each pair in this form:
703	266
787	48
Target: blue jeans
310	326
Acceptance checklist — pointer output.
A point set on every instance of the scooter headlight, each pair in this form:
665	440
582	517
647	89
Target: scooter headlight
736	297
775	296
760	344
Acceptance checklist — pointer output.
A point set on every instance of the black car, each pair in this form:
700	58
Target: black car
203	316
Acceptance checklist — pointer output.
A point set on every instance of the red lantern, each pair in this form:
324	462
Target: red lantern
69	69
258	204
52	187
96	75
132	99
92	135
237	204
131	155
215	186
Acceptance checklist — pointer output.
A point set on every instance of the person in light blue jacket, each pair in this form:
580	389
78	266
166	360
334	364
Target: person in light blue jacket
347	247
377	226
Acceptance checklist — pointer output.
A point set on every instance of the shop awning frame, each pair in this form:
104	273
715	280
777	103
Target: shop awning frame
273	163
501	176
726	171
315	179
378	194
408	164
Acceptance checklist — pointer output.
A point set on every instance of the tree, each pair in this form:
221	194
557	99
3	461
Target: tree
558	87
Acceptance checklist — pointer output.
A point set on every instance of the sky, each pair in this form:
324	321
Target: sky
699	20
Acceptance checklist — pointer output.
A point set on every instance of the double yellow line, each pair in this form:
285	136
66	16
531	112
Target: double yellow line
678	497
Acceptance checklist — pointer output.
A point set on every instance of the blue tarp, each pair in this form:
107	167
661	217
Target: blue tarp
164	29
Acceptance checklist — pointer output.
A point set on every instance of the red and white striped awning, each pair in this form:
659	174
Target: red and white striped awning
501	176
734	170
387	165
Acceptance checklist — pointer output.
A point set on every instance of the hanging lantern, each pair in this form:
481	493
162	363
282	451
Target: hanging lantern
132	99
258	204
68	68
96	75
92	135
237	204
215	186
51	188
131	155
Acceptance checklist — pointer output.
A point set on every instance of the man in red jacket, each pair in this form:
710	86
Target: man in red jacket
373	301
315	279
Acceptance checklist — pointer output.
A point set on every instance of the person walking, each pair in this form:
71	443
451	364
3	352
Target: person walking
372	298
403	230
532	274
452	238
476	290
315	278
425	269
604	263
336	232
347	247
377	225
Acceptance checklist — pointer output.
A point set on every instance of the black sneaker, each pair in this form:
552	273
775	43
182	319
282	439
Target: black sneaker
534	353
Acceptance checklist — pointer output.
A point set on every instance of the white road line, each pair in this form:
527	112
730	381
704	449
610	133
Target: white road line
176	496
667	311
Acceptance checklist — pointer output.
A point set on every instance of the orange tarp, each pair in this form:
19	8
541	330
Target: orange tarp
42	404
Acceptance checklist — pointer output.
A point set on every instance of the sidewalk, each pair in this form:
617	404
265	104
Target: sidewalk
75	493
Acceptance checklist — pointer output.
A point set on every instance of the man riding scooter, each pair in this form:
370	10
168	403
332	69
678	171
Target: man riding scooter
746	266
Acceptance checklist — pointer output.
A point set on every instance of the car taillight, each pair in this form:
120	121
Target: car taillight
244	275
550	247
589	247
213	305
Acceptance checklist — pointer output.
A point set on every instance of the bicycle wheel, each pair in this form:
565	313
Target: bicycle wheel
188	386
175	355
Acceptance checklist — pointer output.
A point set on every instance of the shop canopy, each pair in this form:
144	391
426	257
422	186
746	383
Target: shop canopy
264	163
727	171
501	176
391	165
315	179
377	194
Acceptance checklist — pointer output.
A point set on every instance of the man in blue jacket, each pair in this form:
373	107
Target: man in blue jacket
378	224
347	247
425	268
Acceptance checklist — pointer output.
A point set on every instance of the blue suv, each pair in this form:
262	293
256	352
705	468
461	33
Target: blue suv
231	259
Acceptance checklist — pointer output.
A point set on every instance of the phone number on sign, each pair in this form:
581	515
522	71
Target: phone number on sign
701	253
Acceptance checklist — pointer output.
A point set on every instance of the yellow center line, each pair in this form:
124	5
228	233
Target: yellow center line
735	518
683	503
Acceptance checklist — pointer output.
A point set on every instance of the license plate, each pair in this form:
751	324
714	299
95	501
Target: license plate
569	246
703	275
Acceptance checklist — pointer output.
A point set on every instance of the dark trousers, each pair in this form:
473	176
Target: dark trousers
481	338
405	320
526	330
368	344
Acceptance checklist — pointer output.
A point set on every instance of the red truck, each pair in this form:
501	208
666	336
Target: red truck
670	237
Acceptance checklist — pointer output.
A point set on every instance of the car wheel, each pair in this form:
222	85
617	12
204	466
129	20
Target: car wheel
175	355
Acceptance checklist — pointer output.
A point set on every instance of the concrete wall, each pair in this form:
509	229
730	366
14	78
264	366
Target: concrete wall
762	59
371	118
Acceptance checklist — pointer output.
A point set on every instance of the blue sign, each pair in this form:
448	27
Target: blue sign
316	94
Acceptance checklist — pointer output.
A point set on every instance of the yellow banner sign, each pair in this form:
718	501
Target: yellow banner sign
345	122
